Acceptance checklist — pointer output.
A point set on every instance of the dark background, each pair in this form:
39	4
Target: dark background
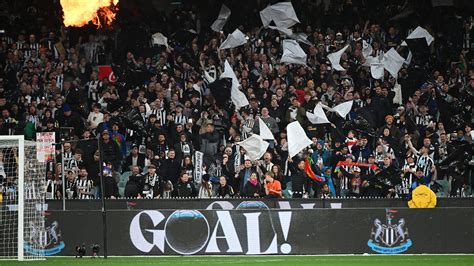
328	231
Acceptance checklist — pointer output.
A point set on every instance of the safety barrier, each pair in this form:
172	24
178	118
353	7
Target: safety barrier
251	227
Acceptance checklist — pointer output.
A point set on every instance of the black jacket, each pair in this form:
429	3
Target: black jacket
171	170
250	190
134	186
128	162
111	152
88	148
185	190
225	191
299	180
110	187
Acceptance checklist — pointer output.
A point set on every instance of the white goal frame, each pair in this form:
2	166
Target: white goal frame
21	191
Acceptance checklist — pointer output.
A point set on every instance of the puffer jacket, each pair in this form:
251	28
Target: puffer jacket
422	197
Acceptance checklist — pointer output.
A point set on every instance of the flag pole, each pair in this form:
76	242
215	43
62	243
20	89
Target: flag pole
102	192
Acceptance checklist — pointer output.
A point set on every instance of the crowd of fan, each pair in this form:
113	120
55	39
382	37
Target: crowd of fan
161	111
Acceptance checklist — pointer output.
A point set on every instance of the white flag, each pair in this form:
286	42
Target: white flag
297	139
299	37
376	70
208	77
318	116
366	49
254	146
397	99
265	132
292	53
419	33
237	38
409	58
393	62
287	32
343	109
238	97
283	14
335	59
222	19
376	65
160	39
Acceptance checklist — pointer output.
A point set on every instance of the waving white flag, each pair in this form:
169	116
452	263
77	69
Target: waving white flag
318	116
297	139
419	33
283	14
265	132
238	97
343	109
222	19
160	39
376	70
366	49
393	62
254	146
335	59
299	37
237	38
292	53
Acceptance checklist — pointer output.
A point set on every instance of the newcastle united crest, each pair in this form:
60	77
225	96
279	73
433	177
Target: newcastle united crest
390	237
46	241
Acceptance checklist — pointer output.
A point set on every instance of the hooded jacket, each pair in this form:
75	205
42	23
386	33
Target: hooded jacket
422	197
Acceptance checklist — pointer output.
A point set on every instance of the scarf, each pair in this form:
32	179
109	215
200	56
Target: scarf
253	182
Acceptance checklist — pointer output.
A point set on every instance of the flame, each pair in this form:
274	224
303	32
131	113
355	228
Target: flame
78	13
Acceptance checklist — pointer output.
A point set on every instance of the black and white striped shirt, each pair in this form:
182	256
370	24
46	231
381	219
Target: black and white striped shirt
93	89
67	158
84	188
74	164
180	119
426	163
422	120
345	180
21	46
407	179
60	81
247	127
160	114
31	47
52	48
52	186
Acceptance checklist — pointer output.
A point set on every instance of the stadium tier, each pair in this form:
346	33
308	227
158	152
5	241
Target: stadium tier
235	127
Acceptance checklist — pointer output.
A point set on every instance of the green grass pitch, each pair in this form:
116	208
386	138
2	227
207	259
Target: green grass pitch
404	260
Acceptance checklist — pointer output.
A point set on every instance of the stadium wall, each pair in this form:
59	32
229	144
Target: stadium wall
194	204
253	228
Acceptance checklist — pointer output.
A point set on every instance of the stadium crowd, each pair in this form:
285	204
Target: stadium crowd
162	109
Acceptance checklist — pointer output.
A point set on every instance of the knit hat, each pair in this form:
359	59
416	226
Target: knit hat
66	108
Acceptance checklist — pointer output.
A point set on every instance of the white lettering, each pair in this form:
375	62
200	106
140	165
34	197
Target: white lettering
136	233
253	236
229	234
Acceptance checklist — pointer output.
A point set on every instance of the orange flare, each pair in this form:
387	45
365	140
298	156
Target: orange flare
78	13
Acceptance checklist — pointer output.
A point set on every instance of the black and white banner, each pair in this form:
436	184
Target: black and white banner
252	228
198	172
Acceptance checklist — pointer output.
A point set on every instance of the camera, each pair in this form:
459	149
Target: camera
80	251
95	250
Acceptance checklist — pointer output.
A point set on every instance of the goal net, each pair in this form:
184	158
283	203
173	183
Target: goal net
22	193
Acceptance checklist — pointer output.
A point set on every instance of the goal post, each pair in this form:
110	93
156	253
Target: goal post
22	195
